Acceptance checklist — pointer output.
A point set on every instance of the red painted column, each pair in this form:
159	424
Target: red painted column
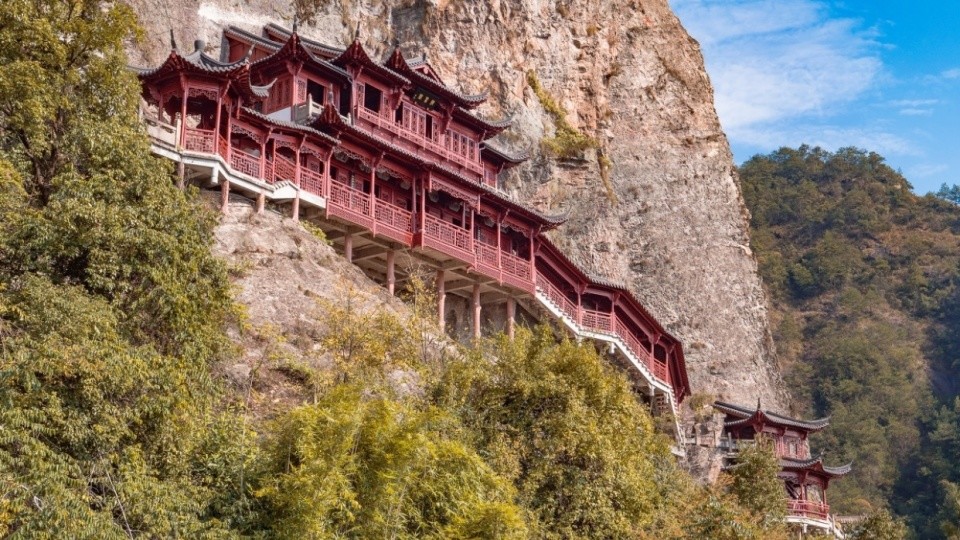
511	316
183	115
296	181
441	299
391	275
476	310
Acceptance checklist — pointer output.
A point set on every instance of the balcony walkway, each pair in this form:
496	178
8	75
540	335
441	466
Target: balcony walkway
370	231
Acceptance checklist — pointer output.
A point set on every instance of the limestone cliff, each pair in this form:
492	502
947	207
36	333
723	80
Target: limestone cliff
668	219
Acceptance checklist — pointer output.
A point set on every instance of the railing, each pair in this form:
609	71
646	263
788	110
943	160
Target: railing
634	344
350	199
311	182
516	267
597	320
284	169
245	163
304	111
487	255
199	140
161	131
441	235
398	221
409	129
224	148
808	509
557	297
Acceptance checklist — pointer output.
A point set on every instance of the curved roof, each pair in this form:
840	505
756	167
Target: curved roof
400	64
200	62
746	415
815	465
294	49
507	159
356	53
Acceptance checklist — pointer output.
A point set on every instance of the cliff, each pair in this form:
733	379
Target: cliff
665	214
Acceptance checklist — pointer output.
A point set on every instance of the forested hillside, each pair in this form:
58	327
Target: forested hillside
114	313
864	276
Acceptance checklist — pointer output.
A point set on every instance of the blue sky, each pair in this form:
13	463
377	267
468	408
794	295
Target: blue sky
883	75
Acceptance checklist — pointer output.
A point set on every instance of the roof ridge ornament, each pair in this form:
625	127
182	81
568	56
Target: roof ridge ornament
296	22
356	31
173	41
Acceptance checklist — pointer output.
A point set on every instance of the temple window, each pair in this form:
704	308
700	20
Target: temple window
372	98
316	91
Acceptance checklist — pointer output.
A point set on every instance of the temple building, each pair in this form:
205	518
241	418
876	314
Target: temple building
805	478
394	165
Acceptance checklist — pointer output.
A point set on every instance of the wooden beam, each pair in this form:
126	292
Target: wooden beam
368	252
511	316
224	195
460	284
348	247
261	202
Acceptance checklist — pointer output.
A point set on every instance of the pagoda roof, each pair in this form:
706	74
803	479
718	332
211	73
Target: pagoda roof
355	53
290	125
815	465
237	32
433	84
294	49
491	128
330	118
508	160
749	416
198	62
324	50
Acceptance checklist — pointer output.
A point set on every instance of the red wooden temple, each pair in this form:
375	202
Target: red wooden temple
391	162
805	478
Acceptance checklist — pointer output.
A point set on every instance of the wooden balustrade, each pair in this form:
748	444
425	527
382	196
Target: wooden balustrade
311	181
284	169
808	509
199	140
245	163
597	320
394	222
448	238
224	149
558	298
350	204
412	129
487	255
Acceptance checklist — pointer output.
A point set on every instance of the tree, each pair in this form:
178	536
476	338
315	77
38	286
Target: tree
879	525
949	193
111	304
755	484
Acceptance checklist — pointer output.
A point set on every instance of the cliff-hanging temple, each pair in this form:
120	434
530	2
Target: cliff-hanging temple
387	159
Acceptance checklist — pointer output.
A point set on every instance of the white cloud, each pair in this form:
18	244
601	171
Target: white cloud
916	112
913	102
773	61
926	170
827	136
951	73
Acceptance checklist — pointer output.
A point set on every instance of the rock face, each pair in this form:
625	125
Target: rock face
668	218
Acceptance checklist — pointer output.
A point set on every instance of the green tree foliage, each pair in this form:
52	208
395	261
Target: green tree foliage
863	275
111	305
879	525
949	193
755	484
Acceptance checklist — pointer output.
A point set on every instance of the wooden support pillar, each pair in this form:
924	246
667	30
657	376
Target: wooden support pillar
441	299
391	274
296	180
511	316
261	202
476	310
348	247
224	195
181	175
295	211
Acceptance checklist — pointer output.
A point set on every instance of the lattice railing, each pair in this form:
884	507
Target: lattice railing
245	163
487	255
284	169
557	297
199	140
223	148
808	509
634	344
447	234
597	320
311	182
349	198
394	217
515	266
